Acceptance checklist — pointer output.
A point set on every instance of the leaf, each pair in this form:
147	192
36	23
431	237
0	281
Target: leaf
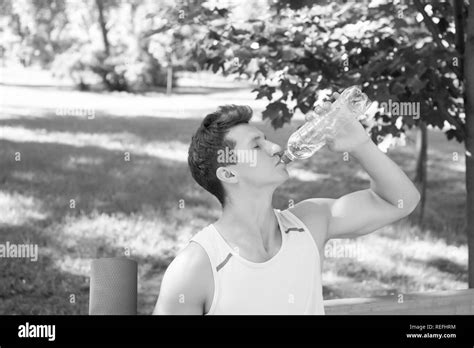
351	45
454	133
262	70
237	32
264	91
410	56
443	24
400	22
311	63
213	35
278	113
215	63
290	53
221	11
386	43
397	88
243	53
288	85
416	85
436	118
299	38
408	121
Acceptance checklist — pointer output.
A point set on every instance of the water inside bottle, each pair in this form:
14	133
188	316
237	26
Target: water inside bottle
312	136
303	150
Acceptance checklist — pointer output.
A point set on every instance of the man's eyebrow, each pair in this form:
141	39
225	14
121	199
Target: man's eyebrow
257	137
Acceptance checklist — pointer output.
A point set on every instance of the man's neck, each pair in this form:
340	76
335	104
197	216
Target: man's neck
251	219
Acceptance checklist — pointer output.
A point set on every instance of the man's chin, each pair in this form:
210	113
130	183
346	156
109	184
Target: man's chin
282	176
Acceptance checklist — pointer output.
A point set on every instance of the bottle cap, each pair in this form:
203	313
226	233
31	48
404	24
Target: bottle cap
285	159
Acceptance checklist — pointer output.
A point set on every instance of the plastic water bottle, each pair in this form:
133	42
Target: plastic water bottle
311	137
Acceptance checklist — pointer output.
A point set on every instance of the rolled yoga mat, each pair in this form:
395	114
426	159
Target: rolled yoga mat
113	286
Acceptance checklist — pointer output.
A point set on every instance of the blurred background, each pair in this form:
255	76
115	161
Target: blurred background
99	100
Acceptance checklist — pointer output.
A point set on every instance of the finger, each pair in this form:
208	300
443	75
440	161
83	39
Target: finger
318	109
326	105
310	115
330	143
335	95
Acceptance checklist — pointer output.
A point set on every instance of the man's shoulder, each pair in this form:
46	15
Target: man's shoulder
188	275
192	262
314	213
312	208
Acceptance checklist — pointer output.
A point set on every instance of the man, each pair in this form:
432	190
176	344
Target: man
259	260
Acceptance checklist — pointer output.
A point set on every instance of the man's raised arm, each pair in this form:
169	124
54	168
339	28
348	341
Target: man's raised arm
391	195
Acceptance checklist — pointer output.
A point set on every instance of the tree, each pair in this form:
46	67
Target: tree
379	45
464	48
469	144
127	45
33	31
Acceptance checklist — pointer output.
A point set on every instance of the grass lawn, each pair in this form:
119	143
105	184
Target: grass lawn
77	194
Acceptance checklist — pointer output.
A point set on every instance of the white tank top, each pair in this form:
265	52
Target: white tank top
288	283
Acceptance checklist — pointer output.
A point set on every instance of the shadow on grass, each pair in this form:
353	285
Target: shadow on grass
42	287
95	178
37	287
147	128
448	266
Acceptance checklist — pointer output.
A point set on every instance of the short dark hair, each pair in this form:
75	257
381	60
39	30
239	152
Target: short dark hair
209	138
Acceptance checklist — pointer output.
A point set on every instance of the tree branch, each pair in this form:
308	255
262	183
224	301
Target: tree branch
459	27
434	32
429	22
151	32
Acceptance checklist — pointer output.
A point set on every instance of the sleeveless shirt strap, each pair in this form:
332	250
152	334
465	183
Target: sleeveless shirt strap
294	223
218	252
297	225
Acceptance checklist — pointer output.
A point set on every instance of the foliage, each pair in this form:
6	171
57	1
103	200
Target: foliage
130	52
381	45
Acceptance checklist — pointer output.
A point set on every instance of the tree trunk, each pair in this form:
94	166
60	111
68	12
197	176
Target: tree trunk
469	142
420	176
169	80
103	27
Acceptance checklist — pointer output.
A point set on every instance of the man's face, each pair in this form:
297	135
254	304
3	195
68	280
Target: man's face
258	163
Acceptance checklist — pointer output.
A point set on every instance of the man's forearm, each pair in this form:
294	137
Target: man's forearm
388	180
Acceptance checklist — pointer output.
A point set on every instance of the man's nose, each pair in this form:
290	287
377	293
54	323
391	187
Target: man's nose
274	149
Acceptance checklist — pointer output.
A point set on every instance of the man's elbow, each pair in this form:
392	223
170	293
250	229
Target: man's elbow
409	204
178	306
162	307
157	310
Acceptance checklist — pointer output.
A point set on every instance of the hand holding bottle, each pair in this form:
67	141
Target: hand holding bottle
334	124
345	133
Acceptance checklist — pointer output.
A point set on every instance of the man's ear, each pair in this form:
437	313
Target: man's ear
226	175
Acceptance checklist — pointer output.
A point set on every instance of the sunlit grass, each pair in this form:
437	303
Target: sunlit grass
401	259
17	209
124	142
